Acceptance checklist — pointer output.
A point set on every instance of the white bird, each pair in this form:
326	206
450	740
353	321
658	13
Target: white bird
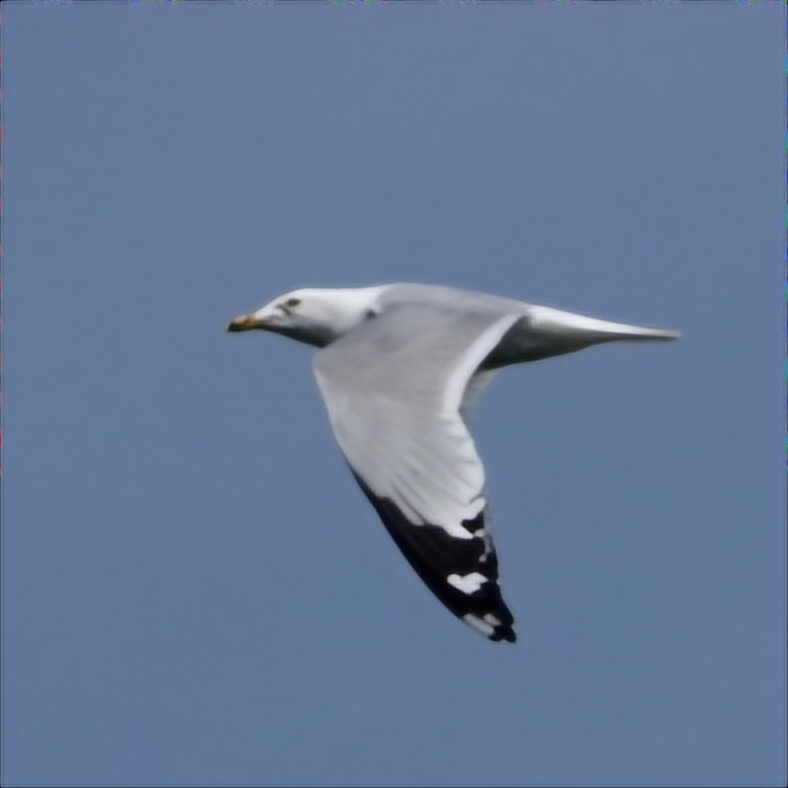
398	367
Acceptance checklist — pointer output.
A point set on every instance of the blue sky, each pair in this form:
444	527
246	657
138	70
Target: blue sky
194	590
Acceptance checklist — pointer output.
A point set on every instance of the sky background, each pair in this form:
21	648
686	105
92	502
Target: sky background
195	592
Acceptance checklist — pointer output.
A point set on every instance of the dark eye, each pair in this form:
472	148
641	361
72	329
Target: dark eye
292	302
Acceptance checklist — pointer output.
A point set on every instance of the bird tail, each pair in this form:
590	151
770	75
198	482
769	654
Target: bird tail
590	330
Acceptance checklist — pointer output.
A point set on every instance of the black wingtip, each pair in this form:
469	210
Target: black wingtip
508	634
437	557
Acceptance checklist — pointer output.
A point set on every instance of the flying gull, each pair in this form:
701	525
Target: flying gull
398	367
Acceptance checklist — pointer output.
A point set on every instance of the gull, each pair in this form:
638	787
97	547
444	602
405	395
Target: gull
398	367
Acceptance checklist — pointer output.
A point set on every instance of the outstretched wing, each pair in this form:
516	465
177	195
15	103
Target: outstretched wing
394	388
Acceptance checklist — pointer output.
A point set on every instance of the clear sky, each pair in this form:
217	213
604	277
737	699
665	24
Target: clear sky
195	592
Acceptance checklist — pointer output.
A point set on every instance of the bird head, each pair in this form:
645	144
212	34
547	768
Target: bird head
311	315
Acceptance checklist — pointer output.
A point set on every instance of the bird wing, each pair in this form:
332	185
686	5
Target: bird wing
394	388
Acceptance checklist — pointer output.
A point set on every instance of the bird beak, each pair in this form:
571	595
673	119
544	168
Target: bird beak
246	323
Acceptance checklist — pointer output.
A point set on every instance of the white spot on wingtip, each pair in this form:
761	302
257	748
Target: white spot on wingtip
485	537
478	624
468	584
491	619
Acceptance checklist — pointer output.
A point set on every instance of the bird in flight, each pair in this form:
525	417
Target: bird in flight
398	367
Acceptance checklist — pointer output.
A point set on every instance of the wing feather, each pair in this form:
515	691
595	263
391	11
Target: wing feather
395	391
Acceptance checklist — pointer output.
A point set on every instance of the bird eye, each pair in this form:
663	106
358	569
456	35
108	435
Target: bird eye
286	306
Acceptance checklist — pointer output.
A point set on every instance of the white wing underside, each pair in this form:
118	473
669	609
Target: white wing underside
395	390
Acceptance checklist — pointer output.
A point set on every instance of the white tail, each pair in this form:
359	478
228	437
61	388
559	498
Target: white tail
590	330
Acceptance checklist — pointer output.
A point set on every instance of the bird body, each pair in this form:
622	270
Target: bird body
398	367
